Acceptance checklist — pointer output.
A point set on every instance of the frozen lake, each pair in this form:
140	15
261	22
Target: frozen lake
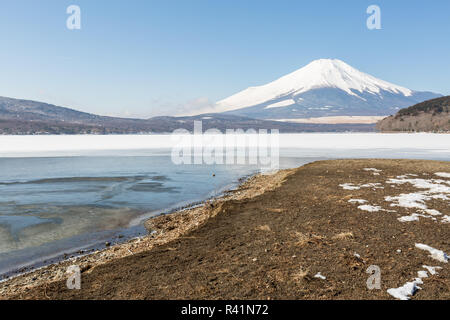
30	146
60	194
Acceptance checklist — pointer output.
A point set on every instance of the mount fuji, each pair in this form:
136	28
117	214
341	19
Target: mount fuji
324	89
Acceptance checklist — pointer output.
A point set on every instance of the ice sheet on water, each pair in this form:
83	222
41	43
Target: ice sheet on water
430	145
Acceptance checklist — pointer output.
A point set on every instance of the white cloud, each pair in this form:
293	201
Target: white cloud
197	106
192	107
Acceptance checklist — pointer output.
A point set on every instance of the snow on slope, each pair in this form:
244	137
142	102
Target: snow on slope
280	104
323	73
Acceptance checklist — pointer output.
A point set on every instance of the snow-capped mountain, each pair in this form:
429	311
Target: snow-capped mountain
323	88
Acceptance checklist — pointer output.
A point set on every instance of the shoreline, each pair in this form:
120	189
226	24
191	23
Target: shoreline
121	236
300	234
160	228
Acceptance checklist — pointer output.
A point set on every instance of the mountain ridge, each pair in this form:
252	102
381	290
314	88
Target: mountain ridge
24	117
298	102
323	88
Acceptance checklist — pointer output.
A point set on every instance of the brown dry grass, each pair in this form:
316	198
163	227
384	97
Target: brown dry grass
344	236
263	228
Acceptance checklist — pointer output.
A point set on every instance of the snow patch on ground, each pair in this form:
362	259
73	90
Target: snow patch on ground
414	217
430	189
445	219
436	254
370	208
373	185
372	169
433	189
433	185
367	207
422	274
360	201
443	174
320	276
432	270
406	291
409	200
351	186
406	176
433	212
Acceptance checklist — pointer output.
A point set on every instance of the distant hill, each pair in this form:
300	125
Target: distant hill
32	117
18	109
428	116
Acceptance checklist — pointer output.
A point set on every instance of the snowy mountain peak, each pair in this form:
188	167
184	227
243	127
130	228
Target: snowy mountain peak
338	74
319	74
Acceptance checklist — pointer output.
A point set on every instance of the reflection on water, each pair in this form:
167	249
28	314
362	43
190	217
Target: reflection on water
52	223
45	202
16	224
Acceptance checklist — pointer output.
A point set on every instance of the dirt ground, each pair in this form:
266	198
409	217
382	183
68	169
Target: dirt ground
271	245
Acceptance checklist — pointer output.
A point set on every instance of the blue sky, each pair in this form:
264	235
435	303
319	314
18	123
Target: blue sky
144	57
